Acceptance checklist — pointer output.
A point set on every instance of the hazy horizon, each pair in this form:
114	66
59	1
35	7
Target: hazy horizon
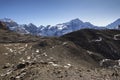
52	12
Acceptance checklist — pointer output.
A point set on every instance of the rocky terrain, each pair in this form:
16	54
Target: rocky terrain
82	55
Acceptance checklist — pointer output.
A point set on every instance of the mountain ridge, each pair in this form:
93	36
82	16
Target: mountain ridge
58	29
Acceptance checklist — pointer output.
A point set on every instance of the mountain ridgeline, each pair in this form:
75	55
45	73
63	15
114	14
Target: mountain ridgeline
57	30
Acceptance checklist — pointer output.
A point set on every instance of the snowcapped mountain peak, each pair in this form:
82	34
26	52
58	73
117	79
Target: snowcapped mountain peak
49	26
88	24
31	24
60	26
76	21
118	19
41	27
6	20
114	25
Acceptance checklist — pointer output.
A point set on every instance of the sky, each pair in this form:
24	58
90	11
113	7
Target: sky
52	12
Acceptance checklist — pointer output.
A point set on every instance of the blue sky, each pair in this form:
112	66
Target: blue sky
44	12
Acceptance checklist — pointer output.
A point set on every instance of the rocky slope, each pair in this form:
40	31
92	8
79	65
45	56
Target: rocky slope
27	57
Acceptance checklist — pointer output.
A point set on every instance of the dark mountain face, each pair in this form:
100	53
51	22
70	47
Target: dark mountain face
3	26
31	28
104	42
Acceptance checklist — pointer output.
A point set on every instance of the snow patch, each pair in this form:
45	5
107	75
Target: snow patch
115	37
97	40
64	43
89	52
53	64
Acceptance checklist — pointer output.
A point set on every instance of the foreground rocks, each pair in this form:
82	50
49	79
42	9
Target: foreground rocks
26	61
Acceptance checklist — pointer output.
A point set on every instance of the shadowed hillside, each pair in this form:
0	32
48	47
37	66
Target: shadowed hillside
3	26
104	42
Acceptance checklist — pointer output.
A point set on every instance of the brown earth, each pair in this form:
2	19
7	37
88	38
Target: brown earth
27	57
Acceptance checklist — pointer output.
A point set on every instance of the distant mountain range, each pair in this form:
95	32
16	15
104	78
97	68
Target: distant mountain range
57	30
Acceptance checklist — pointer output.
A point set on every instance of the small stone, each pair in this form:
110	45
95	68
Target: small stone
17	77
44	54
3	75
53	64
7	65
12	78
6	53
37	50
20	66
11	50
43	62
9	72
88	70
28	57
22	59
115	74
68	66
4	67
26	45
